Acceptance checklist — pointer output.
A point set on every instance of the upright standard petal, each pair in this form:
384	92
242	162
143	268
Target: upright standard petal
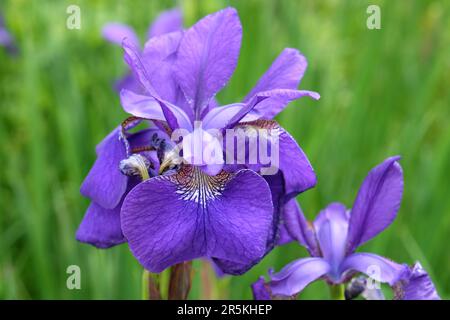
377	202
331	227
170	219
105	184
294	277
167	21
158	58
133	58
374	266
117	32
101	227
285	73
415	284
207	57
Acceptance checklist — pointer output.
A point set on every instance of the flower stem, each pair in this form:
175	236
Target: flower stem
337	292
150	286
180	281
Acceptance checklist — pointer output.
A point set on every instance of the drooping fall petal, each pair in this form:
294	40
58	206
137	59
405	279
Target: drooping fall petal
101	227
415	284
295	276
170	219
299	228
105	184
374	266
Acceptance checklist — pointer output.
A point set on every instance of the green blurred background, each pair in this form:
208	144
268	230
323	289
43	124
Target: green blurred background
384	92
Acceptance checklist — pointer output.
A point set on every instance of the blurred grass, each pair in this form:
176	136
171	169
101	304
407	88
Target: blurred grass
384	92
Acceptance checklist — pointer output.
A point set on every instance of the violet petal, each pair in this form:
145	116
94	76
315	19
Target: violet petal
167	21
294	277
105	184
377	202
101	227
117	32
374	266
170	219
207	57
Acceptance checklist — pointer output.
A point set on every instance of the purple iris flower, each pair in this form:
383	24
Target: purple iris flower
336	233
415	284
168	21
209	209
106	184
6	39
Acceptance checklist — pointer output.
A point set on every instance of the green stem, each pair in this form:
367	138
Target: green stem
337	292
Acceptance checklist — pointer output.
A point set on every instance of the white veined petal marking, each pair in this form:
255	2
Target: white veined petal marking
195	185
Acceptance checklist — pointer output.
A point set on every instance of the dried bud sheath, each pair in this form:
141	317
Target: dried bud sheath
180	281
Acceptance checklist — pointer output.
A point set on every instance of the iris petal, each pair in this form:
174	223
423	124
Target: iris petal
141	106
207	57
285	73
415	284
295	276
158	57
275	102
101	227
170	219
292	162
105	184
261	290
377	202
331	226
291	208
116	32
376	267
299	228
167	21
